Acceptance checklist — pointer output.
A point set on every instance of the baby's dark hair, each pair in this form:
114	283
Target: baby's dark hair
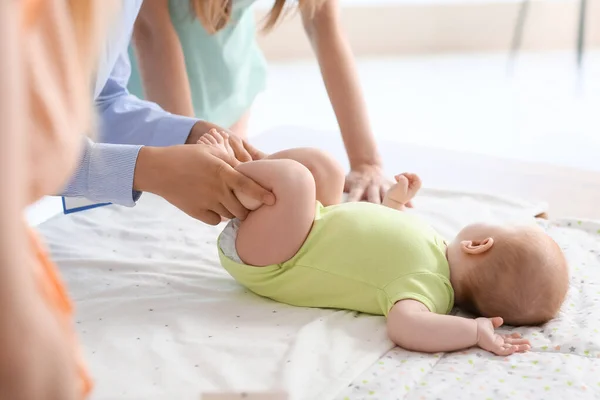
522	278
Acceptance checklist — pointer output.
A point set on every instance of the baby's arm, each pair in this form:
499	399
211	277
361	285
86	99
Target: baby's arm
412	326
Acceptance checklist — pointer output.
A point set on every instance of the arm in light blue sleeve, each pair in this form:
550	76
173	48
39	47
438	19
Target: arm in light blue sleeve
125	119
106	169
105	174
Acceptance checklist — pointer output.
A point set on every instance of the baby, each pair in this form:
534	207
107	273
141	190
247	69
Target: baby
309	250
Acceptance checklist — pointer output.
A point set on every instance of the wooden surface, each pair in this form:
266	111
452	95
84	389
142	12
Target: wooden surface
569	192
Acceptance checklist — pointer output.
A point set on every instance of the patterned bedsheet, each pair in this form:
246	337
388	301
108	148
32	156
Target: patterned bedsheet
563	363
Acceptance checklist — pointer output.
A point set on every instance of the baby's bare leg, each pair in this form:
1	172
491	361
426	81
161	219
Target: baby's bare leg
274	234
327	172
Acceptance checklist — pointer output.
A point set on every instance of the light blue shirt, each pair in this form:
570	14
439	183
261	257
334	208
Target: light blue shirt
126	123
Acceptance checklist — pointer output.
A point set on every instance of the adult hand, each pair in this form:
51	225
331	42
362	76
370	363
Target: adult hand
197	181
367	182
501	345
244	152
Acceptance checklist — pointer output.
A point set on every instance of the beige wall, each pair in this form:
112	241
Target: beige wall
400	29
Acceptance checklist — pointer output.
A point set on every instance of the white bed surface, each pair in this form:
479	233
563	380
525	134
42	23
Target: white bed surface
160	319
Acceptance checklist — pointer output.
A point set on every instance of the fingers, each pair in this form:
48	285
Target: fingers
223	211
517	342
508	349
357	190
383	189
240	182
510	344
347	184
355	193
521	348
505	350
373	194
409	204
239	150
235	207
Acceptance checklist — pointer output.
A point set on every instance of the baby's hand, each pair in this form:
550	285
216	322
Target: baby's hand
501	345
406	187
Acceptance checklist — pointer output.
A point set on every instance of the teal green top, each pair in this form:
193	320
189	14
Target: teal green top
358	256
226	70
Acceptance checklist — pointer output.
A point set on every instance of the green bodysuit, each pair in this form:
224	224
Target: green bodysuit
357	256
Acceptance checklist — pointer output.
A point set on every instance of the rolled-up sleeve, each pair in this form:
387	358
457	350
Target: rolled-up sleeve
106	169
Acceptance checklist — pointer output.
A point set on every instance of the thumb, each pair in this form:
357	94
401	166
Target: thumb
497	321
241	183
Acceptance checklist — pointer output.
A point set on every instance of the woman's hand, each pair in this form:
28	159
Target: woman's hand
501	345
197	179
367	182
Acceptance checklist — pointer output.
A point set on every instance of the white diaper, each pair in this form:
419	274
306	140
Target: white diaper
227	240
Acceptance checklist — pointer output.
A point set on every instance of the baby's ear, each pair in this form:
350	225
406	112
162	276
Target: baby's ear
476	246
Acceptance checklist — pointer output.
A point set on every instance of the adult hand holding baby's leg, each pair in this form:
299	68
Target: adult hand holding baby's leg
501	345
274	234
297	177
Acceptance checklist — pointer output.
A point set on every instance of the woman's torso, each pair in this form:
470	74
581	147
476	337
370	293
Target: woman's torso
226	70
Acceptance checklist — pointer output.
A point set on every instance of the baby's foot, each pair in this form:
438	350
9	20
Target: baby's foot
406	187
219	144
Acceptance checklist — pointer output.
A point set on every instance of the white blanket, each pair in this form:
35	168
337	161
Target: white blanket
160	319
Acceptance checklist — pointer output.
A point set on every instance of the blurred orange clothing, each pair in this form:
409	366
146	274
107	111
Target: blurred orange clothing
53	291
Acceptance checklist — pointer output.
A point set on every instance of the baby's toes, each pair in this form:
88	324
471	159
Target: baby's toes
414	181
211	139
224	135
402	180
219	137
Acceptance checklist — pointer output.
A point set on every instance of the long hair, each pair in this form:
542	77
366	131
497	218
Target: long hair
214	15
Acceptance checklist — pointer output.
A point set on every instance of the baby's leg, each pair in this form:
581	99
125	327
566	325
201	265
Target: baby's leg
327	172
274	234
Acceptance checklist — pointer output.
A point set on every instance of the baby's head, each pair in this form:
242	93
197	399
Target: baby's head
515	272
